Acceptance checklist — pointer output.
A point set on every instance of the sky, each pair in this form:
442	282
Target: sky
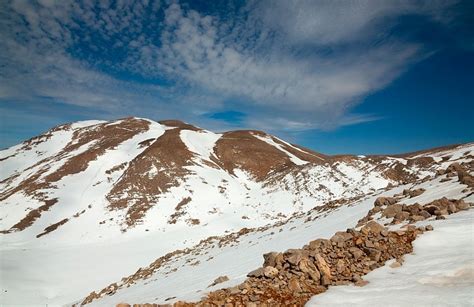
361	77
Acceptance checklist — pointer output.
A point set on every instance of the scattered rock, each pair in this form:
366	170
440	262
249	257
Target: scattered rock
413	193
219	280
385	201
270	272
392	210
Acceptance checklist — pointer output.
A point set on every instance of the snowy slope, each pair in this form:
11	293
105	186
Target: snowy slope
103	199
440	272
197	268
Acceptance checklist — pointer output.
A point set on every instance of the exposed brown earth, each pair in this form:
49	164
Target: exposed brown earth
179	210
178	124
52	227
293	277
304	153
33	215
136	191
241	149
101	138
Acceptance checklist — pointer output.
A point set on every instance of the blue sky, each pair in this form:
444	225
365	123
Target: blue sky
336	76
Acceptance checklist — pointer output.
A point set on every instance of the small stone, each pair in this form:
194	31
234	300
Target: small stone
385	201
341	236
395	264
293	256
256	273
428	228
270	272
392	210
373	227
462	205
325	280
294	285
417	218
361	283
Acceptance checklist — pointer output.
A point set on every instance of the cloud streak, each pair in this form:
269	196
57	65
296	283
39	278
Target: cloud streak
286	65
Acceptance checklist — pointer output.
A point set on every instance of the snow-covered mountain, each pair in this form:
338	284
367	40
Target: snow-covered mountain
86	204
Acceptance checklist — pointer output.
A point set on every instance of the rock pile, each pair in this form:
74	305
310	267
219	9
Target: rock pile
293	277
389	208
461	171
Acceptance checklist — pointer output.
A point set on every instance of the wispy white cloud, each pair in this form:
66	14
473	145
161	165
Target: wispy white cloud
291	65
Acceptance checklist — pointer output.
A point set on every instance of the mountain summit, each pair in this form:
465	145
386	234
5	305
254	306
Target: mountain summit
139	189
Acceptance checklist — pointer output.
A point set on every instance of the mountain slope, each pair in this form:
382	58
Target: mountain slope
105	198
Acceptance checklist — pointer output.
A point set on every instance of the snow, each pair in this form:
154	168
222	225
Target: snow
292	157
200	142
246	253
440	272
57	268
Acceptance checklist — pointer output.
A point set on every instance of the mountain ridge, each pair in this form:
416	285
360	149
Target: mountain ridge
114	187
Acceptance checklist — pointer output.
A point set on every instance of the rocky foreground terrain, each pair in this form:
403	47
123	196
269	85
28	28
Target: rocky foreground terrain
139	212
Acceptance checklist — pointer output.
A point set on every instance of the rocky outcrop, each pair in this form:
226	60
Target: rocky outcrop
293	277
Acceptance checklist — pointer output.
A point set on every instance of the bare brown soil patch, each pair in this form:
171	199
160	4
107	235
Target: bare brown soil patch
52	227
240	149
136	191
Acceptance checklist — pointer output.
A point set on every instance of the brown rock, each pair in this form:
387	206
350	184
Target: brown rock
392	210
219	280
401	216
322	265
294	285
462	205
385	201
122	305
373	253
316	244
428	228
270	272
306	266
425	214
273	259
417	218
293	256
373	227
341	236
431	209
356	252
413	193
256	273
325	280
361	283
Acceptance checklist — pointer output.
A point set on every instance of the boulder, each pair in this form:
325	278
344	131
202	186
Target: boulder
294	285
385	201
392	210
356	252
322	266
293	256
306	266
316	244
256	273
413	193
425	214
462	205
270	272
373	227
273	259
373	253
401	216
341	236
431	209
